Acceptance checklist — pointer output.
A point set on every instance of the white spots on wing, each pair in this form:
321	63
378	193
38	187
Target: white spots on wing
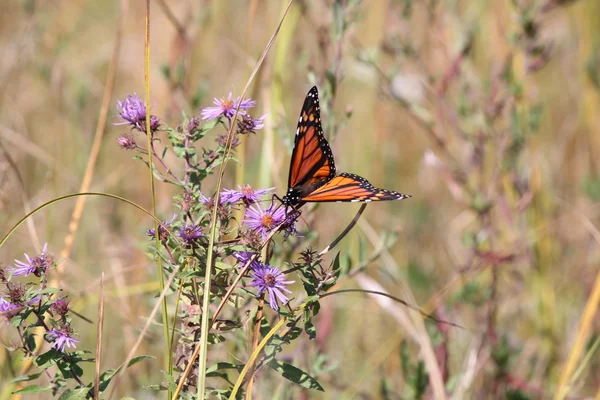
297	131
300	119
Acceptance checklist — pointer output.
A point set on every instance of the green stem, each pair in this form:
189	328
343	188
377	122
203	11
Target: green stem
149	133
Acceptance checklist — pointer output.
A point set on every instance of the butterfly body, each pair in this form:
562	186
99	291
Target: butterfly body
313	176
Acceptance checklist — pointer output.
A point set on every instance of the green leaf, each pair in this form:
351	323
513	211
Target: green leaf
296	375
30	342
24	378
33	389
47	359
217	370
209	125
80	393
224	365
215	338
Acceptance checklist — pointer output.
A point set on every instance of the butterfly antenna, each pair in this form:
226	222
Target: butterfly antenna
345	232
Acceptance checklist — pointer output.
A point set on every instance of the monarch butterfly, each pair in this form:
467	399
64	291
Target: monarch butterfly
312	175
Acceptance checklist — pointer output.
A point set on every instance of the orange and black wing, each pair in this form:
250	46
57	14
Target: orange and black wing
350	187
312	159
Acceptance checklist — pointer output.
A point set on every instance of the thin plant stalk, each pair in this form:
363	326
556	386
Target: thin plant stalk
258	349
255	336
68	196
161	278
584	329
99	339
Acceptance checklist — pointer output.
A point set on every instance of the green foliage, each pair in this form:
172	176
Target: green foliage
295	375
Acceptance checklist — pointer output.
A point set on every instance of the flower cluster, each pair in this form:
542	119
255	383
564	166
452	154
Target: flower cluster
19	298
246	218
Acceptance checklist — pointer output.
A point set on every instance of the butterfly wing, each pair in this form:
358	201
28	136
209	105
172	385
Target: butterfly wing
350	187
312	160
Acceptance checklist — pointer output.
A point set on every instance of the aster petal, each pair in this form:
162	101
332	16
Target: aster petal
273	301
280	296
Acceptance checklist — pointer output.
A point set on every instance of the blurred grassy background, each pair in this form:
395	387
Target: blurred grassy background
521	315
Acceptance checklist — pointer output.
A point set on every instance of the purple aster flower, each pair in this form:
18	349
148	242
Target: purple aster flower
262	220
227	107
132	111
272	280
249	125
244	256
190	233
61	337
36	265
246	193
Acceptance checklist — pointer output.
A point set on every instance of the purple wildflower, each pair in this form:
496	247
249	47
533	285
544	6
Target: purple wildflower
132	111
262	220
244	256
249	125
246	193
62	337
227	107
272	280
190	233
36	265
127	142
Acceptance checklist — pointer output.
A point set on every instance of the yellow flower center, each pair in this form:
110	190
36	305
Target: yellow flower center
267	221
227	104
